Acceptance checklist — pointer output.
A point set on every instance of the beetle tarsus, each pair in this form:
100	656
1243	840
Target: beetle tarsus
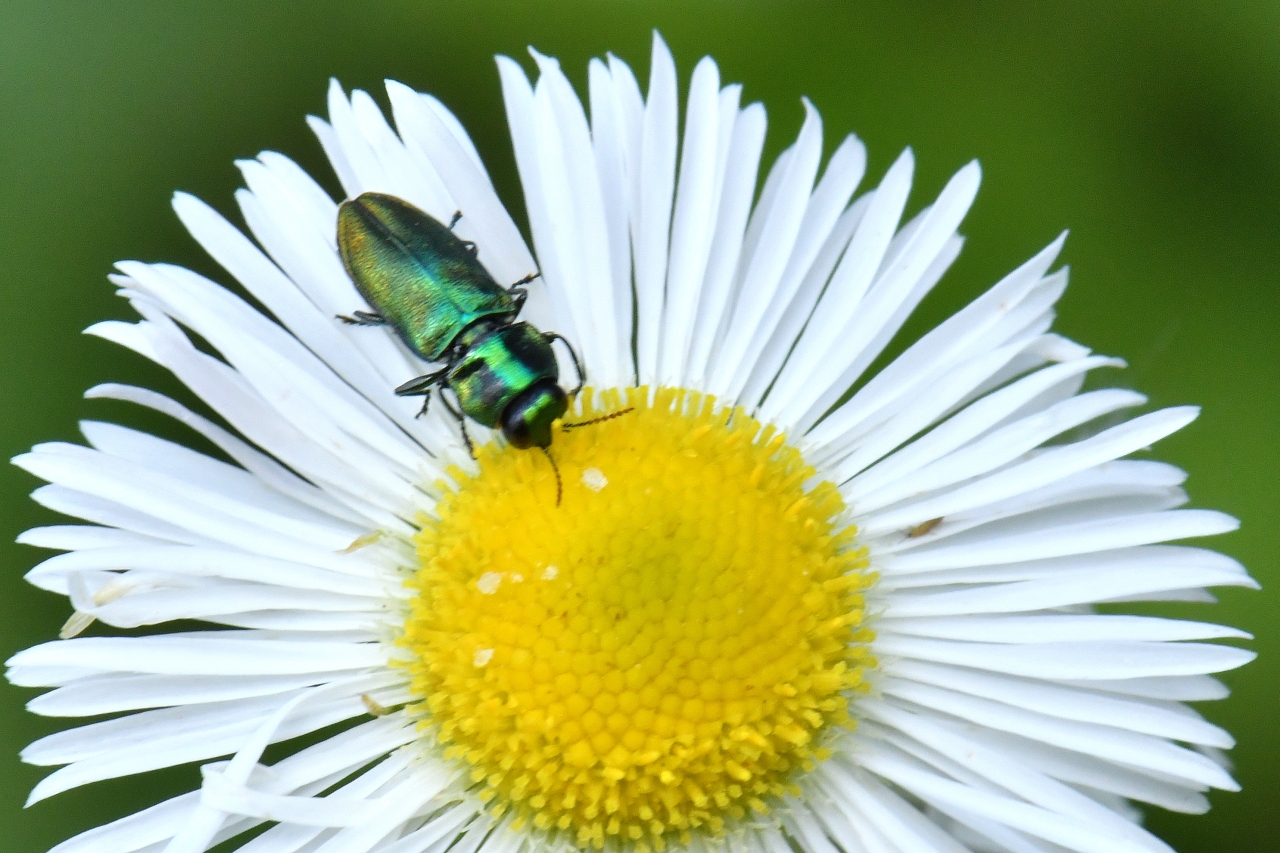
363	318
518	295
453	220
555	470
526	280
462	424
577	364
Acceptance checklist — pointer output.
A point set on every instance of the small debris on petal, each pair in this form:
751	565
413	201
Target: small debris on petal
489	582
75	626
549	573
923	528
361	542
483	656
594	479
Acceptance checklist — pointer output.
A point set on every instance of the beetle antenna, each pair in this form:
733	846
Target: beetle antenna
556	469
600	419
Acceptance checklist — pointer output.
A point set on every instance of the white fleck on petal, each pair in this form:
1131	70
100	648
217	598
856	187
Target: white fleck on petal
594	479
482	657
488	582
549	573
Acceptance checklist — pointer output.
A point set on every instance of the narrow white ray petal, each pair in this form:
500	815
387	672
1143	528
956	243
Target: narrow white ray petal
448	824
183	656
1099	660
608	137
226	392
1128	748
1030	819
439	143
917	264
576	218
337	158
1188	688
311	200
173	459
801	825
216	599
308	321
742	161
1057	628
416	181
359	155
849	284
629	103
654	187
780	219
138	831
108	512
112	693
977	325
1092	772
1121	487
1086	537
169	751
210	514
1074	569
962	757
273	362
902	825
263	467
77	537
792	301
933	401
198	832
1167	721
343	574
693	221
518	97
393	809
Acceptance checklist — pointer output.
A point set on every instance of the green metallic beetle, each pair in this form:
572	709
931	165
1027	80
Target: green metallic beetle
427	285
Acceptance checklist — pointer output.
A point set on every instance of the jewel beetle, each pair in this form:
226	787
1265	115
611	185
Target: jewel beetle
431	289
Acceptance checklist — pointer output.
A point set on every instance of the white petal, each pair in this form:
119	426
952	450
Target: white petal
654	188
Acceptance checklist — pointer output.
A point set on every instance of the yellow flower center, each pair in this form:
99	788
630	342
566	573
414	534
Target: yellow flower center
666	650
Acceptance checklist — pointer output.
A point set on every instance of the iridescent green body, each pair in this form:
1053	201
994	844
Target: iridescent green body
416	273
428	285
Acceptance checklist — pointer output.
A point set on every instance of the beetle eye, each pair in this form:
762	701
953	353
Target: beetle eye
527	420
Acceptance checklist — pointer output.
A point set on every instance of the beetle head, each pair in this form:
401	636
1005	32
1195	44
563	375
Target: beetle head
527	420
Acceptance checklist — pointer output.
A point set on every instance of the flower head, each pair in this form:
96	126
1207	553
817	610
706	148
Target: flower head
735	605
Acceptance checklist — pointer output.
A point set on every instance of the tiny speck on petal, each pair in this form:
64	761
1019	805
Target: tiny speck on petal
549	573
483	656
594	479
488	583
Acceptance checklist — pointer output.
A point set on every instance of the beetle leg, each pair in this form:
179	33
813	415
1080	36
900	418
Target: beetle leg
522	282
363	318
457	214
577	365
462	424
421	385
519	294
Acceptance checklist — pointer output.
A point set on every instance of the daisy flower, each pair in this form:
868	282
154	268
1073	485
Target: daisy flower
769	614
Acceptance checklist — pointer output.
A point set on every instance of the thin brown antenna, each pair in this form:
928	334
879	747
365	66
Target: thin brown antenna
601	419
555	468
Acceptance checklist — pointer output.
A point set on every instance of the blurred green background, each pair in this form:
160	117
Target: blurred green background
1152	130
